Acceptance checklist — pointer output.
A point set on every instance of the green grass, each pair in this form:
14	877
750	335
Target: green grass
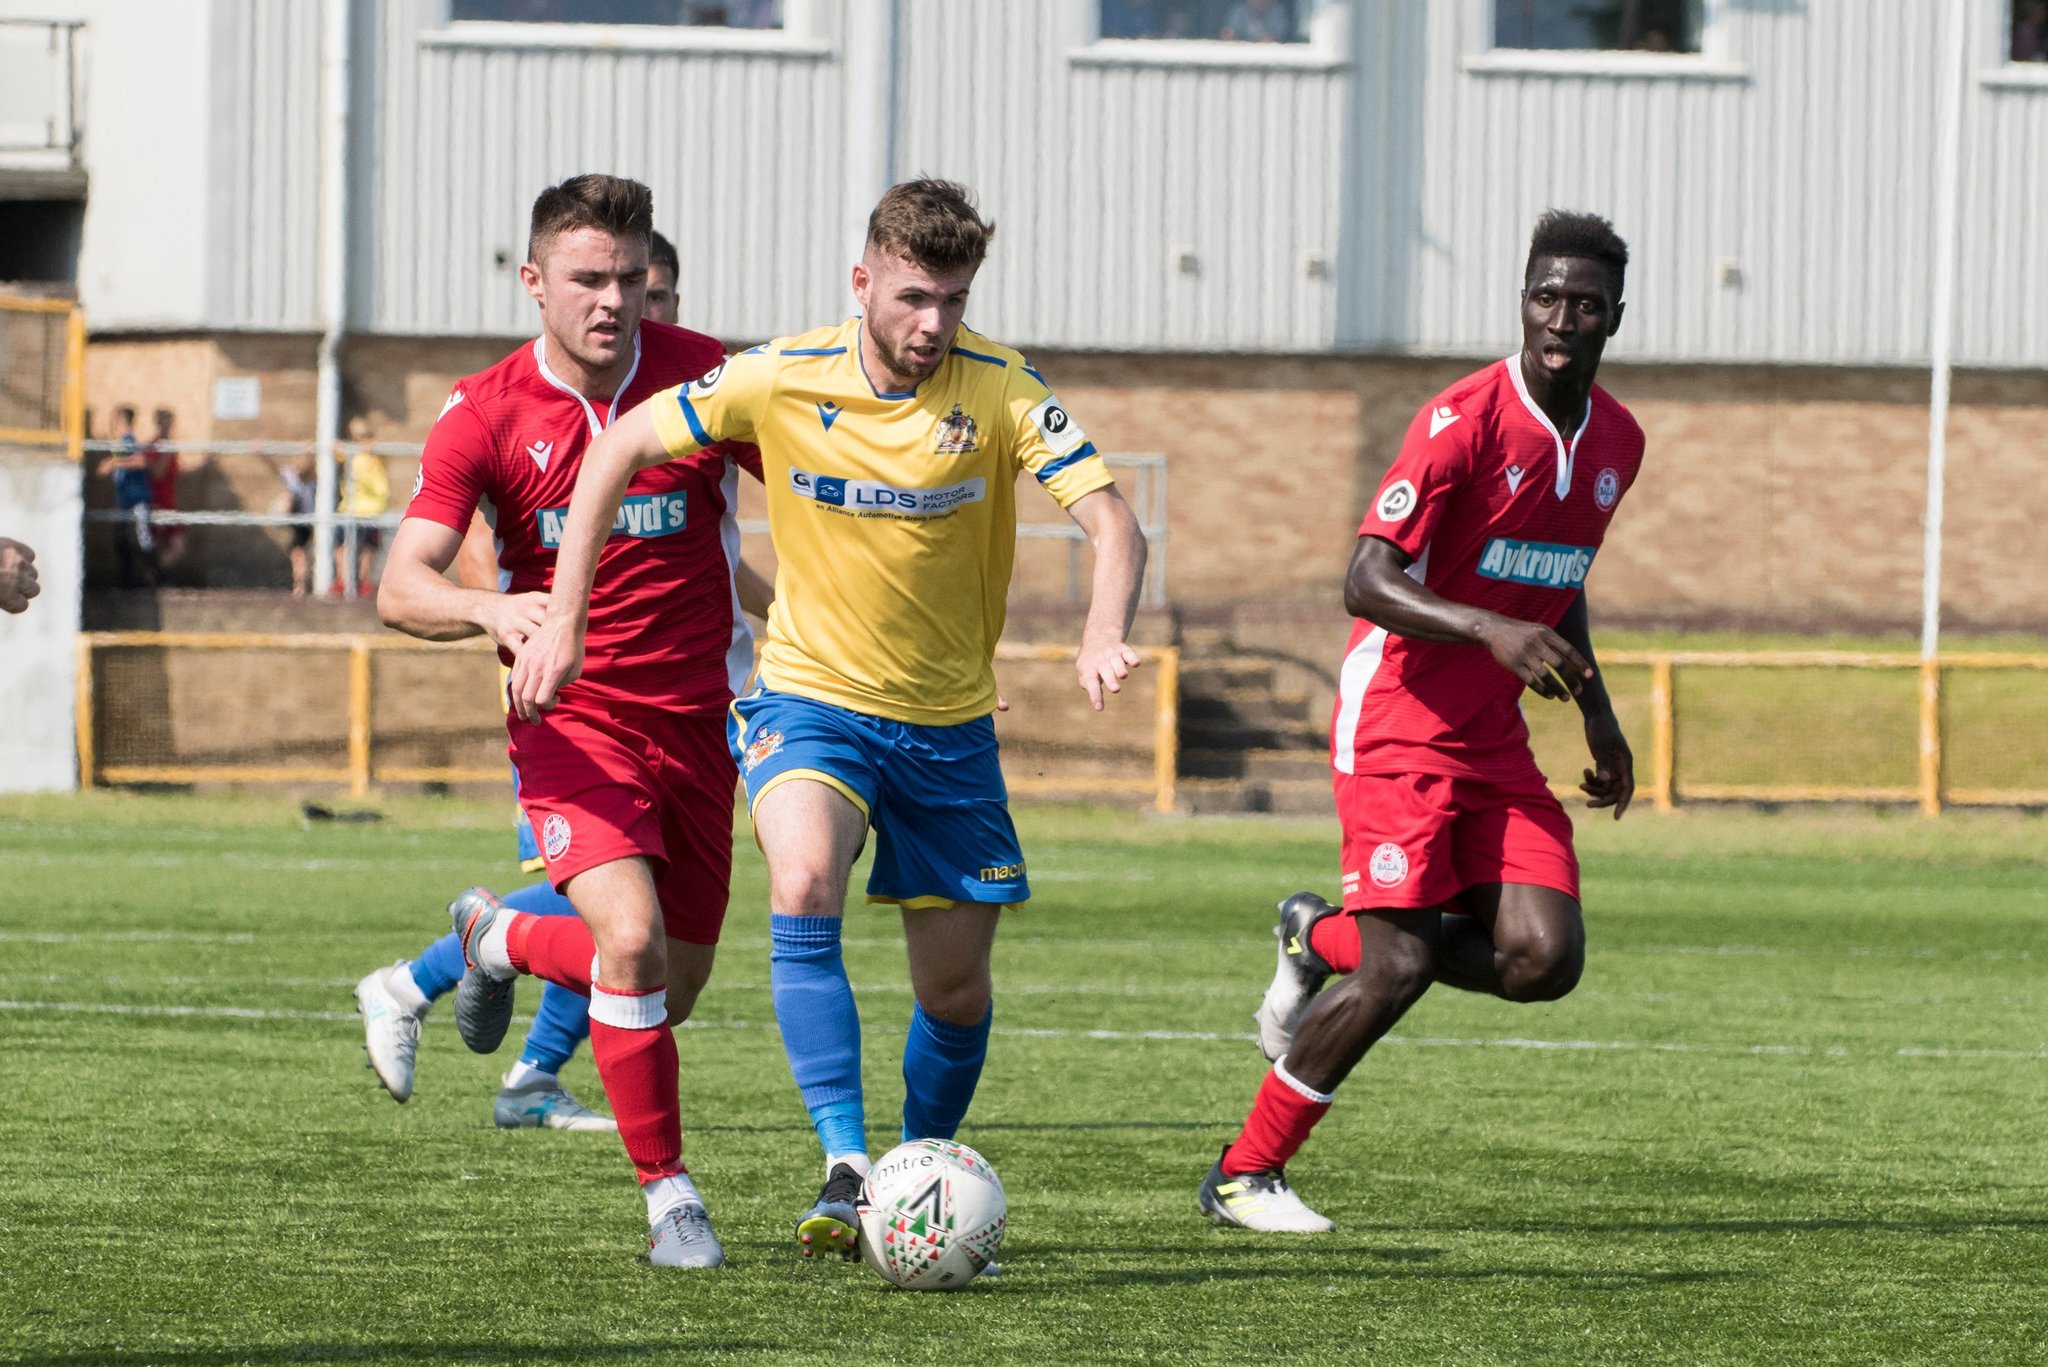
1800	1115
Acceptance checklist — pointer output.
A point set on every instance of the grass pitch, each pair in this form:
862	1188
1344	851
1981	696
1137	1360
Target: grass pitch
1796	1110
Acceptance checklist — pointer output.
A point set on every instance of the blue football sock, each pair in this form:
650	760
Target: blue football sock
941	1064
539	899
563	1021
820	1026
438	967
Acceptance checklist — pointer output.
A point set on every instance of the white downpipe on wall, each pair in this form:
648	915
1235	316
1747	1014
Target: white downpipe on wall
1941	349
333	276
872	29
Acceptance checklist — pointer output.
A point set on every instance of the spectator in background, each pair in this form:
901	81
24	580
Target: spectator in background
132	494
163	485
299	483
2030	31
662	269
17	576
365	493
1258	21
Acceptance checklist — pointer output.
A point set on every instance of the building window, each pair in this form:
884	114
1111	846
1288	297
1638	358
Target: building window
2029	31
1230	21
750	14
1598	25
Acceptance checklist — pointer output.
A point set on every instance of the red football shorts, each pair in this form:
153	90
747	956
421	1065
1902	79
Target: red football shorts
1418	840
659	785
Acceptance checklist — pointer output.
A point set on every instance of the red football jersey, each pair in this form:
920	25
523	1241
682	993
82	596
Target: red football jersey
1496	510
665	628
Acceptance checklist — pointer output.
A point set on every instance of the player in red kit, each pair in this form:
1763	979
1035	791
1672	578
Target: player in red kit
1468	582
628	783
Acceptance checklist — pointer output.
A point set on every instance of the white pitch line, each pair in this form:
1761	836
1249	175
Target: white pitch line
1114	1036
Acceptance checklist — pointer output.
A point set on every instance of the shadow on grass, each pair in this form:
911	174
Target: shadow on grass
1946	1224
1328	1270
399	1352
1012	1126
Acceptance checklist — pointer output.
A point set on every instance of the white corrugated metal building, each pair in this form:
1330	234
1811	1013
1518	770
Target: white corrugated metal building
1365	190
1221	250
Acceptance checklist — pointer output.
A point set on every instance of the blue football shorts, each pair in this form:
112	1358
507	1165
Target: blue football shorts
933	795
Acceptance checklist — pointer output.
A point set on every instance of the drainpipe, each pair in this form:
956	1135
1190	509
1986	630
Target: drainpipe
873	30
334	66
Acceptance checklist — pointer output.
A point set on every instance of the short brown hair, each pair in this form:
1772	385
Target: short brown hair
932	222
611	204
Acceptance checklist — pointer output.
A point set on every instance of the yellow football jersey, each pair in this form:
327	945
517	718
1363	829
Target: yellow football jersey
894	515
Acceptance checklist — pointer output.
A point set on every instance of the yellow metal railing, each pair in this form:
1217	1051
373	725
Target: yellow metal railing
68	429
1931	792
361	769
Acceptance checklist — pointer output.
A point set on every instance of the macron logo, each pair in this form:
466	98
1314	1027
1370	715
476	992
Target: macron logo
1515	473
828	413
453	399
1440	419
540	451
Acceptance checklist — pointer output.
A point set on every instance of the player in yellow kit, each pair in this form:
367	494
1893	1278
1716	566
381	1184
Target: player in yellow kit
892	445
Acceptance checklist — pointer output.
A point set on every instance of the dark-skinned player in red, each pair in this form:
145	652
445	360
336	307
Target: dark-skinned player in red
1468	583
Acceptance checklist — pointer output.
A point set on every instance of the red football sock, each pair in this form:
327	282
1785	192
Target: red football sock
558	948
1333	937
1281	1118
635	1050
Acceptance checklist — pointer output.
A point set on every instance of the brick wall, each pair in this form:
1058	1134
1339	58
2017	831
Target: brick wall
1772	497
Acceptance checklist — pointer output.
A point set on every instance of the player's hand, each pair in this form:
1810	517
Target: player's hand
1538	656
551	657
1611	782
511	619
1103	666
18	581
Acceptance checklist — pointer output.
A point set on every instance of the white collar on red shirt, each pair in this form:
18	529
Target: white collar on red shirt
540	360
1564	452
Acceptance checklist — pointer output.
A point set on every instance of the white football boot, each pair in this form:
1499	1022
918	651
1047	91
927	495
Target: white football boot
544	1104
391	1033
682	1237
1299	975
1258	1201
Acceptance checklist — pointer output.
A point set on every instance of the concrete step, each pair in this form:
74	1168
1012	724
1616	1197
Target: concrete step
1246	707
1258	765
1278	797
1231	735
1222	673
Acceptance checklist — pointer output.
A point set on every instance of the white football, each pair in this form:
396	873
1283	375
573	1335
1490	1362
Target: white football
931	1215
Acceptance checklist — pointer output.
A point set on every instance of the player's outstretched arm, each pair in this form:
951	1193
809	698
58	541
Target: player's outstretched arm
415	597
1106	658
1378	588
554	654
1611	782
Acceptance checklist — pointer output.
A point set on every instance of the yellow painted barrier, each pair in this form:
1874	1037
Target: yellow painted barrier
361	771
1931	793
65	427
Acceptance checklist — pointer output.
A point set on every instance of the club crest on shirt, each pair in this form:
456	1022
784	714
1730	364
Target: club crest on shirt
554	835
957	434
764	745
1607	489
1389	866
